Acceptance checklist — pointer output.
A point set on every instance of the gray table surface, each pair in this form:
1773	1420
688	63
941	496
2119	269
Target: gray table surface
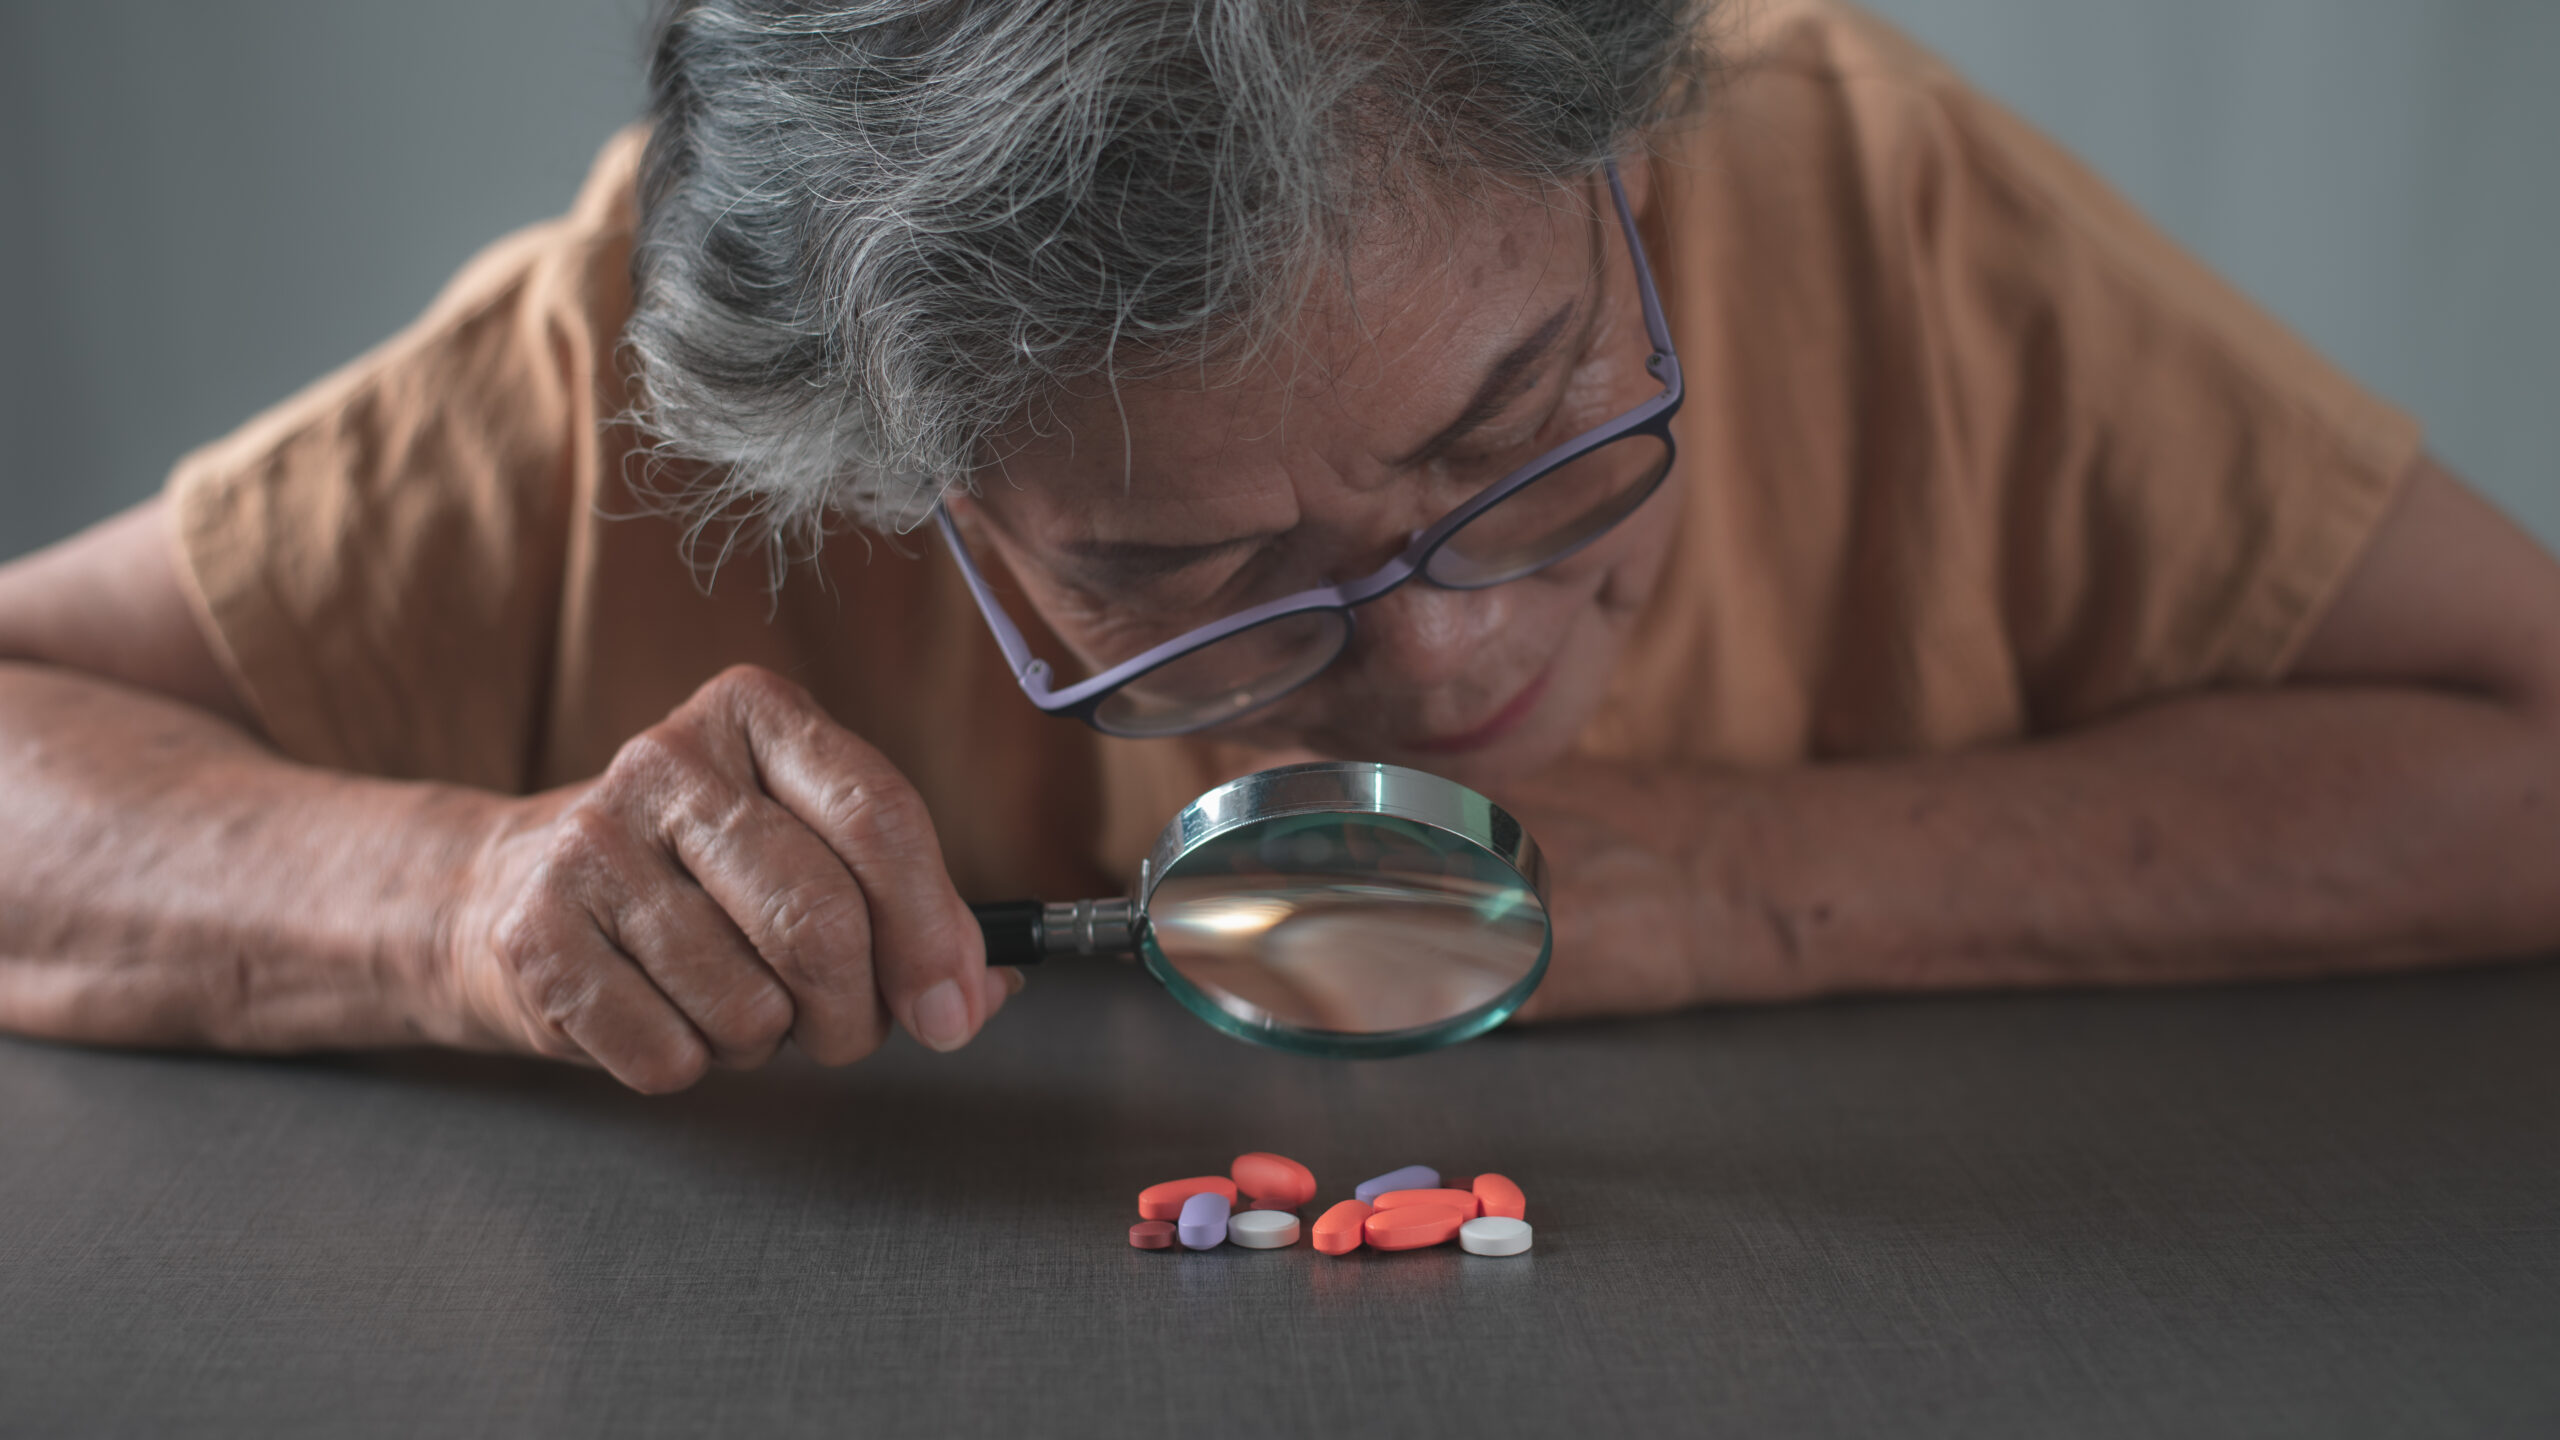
2322	1210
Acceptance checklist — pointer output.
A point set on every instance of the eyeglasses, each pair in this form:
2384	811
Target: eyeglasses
1537	515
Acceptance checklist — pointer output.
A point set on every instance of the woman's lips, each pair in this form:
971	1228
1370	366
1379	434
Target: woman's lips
1504	721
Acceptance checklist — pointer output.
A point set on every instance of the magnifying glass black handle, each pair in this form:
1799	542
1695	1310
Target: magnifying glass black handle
1026	932
1012	928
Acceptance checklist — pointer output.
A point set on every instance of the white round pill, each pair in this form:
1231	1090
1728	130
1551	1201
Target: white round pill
1493	1235
1263	1229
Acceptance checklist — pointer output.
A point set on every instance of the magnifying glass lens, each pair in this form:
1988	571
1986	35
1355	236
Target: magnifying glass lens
1338	908
1335	933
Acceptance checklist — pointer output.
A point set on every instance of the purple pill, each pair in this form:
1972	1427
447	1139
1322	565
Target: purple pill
1204	1221
1411	1177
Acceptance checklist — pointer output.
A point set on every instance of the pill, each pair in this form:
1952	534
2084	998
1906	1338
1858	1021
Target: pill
1165	1201
1462	1201
1204	1220
1500	1197
1283	1182
1151	1235
1338	1229
1411	1227
1263	1229
1494	1235
1411	1177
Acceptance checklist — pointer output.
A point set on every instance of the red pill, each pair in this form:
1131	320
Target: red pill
1276	1180
1462	1201
1338	1231
1152	1235
1164	1202
1411	1227
1500	1198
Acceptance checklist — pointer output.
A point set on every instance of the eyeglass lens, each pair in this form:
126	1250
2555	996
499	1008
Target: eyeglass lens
1239	673
1547	518
1553	515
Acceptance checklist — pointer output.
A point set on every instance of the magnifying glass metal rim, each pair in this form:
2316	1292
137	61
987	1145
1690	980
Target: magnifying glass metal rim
1344	787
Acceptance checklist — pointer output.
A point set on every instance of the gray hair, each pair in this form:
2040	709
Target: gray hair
876	232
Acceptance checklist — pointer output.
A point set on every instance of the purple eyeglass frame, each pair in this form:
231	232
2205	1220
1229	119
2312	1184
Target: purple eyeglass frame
1080	700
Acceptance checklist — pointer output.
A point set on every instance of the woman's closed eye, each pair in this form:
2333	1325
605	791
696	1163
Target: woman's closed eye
1547	407
1546	417
1163	577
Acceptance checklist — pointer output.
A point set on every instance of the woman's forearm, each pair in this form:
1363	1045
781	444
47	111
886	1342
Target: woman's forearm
165	880
2219	836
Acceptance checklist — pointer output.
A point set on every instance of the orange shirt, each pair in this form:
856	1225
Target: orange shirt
1972	452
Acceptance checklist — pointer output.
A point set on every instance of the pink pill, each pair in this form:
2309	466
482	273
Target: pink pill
1412	1227
1275	1181
1338	1232
1462	1201
1165	1201
1500	1198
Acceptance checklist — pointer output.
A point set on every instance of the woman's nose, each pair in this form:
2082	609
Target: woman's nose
1422	636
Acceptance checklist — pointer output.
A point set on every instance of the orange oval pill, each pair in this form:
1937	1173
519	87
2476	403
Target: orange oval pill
1411	1227
1164	1202
1152	1235
1276	1180
1462	1201
1337	1232
1500	1198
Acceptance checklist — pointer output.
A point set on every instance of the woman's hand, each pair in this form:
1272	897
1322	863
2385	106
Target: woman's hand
745	871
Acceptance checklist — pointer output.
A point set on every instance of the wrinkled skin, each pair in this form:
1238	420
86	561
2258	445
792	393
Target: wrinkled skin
748	872
1271	480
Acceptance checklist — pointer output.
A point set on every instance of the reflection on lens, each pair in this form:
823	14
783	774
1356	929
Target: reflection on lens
1226	916
1347	925
1243	672
1553	515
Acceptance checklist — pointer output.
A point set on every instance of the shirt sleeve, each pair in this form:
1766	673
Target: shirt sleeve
379	560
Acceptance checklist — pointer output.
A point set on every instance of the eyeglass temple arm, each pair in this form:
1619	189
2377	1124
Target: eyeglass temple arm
1666	361
1028	671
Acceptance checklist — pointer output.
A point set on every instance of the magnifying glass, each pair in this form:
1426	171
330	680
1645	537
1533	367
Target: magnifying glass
1337	909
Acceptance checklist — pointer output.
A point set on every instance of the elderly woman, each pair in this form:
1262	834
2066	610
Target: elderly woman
1865	553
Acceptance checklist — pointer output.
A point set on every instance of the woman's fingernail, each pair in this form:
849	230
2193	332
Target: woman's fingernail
941	1017
1014	979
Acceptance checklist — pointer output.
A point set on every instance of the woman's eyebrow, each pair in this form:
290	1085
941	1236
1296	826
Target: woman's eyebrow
1497	389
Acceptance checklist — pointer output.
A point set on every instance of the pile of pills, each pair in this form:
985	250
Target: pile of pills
1405	1209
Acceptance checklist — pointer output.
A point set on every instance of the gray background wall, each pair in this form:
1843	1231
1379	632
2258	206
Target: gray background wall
204	203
